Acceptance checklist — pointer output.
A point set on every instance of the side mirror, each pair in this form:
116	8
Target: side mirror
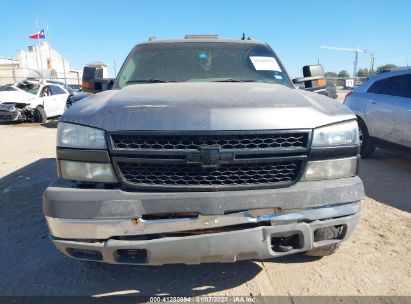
93	81
314	79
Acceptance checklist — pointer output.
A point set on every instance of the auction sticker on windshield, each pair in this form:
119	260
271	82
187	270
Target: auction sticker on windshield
262	63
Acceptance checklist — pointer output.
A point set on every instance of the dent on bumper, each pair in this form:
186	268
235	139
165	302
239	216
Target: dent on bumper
107	228
62	200
254	243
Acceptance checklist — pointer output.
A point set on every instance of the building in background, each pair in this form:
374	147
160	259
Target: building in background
39	62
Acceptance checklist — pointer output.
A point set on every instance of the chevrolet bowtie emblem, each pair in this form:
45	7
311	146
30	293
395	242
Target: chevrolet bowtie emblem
210	157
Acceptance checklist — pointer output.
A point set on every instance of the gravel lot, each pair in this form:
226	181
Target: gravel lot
375	261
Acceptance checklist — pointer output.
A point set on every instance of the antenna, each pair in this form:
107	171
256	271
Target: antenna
356	51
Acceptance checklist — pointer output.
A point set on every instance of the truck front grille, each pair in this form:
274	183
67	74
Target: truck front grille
209	161
197	176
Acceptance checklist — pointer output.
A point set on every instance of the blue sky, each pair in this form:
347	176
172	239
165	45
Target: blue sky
85	31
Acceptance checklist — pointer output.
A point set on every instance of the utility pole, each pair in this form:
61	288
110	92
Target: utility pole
356	51
372	63
354	73
64	72
49	43
39	47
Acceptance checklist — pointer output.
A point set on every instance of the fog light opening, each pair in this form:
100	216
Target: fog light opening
330	233
85	254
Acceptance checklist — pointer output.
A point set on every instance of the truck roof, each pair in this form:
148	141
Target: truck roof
202	39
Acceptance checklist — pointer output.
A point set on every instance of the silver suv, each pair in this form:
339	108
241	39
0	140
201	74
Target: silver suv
204	151
383	108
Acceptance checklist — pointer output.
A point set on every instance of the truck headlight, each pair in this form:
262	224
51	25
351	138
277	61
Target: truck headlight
86	172
339	134
330	169
76	136
81	137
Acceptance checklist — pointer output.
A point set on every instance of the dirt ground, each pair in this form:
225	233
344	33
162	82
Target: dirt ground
376	260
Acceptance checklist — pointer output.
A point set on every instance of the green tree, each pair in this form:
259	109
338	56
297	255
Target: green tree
331	75
342	75
364	73
388	66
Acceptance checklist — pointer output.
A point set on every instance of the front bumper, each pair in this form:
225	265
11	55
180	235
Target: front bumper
12	115
112	225
63	200
253	243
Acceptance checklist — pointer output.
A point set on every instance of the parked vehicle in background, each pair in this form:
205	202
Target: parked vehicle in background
7	88
204	151
73	98
331	89
73	88
383	108
33	101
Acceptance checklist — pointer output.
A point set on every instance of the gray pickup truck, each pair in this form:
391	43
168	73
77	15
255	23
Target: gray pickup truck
204	151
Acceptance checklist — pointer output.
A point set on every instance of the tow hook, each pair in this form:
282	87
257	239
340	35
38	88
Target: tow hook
285	244
284	248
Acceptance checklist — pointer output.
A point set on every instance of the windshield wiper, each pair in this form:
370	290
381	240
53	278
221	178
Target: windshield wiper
148	81
236	80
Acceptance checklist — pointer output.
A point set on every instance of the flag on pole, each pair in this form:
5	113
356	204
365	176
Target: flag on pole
38	35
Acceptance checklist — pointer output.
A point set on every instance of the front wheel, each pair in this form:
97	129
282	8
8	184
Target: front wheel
39	115
366	145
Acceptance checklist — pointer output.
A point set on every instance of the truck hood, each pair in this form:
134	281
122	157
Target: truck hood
197	106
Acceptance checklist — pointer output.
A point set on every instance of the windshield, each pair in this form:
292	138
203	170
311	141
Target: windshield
202	61
29	87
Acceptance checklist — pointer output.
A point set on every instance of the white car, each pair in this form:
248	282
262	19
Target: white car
383	108
33	101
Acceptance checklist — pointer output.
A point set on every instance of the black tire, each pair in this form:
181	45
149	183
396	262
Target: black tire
39	115
366	145
323	234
